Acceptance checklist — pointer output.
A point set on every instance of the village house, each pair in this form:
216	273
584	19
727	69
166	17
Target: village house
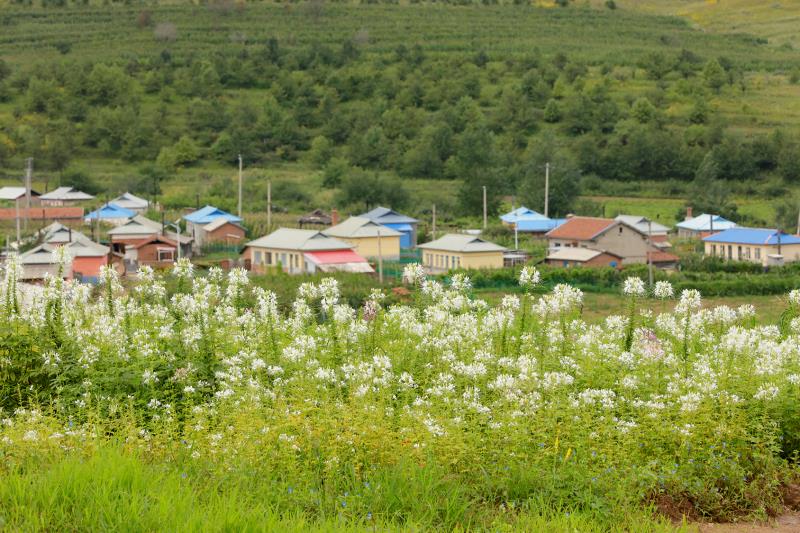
87	257
765	246
406	225
529	221
64	196
17	195
659	233
138	230
617	238
224	231
131	201
702	226
368	238
110	213
569	257
460	250
199	227
157	252
302	251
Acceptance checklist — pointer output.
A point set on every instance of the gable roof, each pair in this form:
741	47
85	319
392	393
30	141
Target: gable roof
703	223
130	201
66	193
581	228
756	236
13	193
357	227
462	242
137	225
522	213
110	211
57	233
156	238
570	253
86	247
384	215
298	239
218	223
208	214
39	255
641	223
536	225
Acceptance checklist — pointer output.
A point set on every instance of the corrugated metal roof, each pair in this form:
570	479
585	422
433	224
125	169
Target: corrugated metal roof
756	236
358	227
569	253
461	242
298	239
208	214
66	193
12	193
384	215
703	223
542	225
130	201
522	213
643	224
218	223
110	211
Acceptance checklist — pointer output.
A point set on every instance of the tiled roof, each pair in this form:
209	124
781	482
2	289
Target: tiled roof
662	257
581	228
208	214
384	215
66	193
298	239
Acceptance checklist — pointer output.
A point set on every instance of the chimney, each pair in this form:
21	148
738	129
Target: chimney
334	216
689	213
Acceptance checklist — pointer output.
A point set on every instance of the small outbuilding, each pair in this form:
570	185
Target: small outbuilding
368	238
703	225
461	250
196	223
64	196
111	213
570	257
131	201
407	226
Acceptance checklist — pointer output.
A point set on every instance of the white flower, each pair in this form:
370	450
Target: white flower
633	286
149	377
413	274
663	290
690	301
529	277
794	297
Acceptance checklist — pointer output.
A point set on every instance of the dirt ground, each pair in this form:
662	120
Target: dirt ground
787	523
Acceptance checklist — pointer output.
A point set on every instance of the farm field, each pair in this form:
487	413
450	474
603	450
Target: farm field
195	403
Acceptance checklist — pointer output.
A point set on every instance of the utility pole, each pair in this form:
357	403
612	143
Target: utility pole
485	222
19	234
240	187
546	189
798	223
269	205
380	258
28	177
433	225
516	237
650	251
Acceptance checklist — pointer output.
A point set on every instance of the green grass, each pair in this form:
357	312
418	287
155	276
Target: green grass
115	490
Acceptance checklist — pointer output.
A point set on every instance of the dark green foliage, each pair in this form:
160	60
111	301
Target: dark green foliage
365	190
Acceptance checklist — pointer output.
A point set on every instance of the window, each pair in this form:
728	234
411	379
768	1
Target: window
267	258
758	253
747	253
166	254
620	230
454	261
713	249
739	253
730	252
256	257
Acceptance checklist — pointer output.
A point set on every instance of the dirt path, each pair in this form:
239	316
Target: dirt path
788	523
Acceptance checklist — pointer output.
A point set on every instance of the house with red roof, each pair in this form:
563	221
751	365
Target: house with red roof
614	237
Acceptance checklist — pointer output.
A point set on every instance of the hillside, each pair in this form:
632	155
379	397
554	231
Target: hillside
421	103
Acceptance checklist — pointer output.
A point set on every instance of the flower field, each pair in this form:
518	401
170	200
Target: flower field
191	403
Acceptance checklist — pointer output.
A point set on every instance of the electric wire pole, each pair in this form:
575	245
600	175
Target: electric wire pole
28	178
433	226
240	187
269	205
485	220
546	189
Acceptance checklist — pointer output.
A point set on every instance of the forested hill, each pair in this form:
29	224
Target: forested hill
364	98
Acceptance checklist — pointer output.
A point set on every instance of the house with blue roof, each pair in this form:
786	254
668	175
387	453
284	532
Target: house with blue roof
111	213
758	245
390	218
202	222
702	225
529	221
